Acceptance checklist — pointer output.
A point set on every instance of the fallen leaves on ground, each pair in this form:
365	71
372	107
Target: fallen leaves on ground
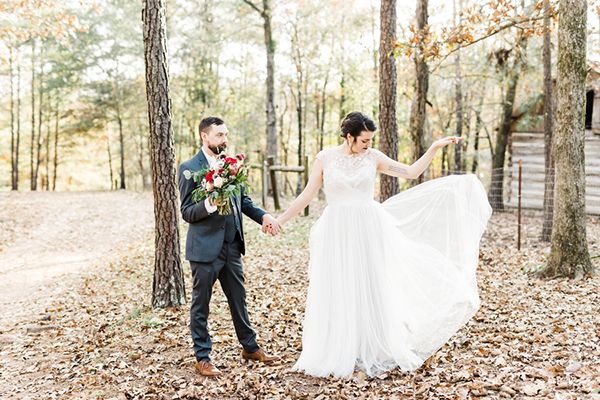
531	338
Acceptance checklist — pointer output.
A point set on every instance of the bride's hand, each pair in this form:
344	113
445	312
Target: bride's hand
438	144
278	219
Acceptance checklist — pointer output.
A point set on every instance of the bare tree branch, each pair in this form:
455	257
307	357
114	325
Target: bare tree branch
492	33
254	6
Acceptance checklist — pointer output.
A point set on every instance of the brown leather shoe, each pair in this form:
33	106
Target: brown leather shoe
259	355
205	368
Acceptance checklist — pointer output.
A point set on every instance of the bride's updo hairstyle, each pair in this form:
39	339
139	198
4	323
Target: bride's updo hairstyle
356	122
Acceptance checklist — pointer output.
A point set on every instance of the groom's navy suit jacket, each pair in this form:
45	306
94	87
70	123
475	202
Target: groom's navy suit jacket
206	232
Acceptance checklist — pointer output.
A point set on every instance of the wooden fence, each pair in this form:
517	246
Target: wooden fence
269	183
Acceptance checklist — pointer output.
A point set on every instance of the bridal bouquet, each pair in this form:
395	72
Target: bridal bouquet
221	183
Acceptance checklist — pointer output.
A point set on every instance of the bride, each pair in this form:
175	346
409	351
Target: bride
390	282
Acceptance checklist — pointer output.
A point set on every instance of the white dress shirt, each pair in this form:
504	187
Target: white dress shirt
211	208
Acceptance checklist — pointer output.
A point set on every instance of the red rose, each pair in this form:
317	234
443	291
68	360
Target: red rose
209	176
233	169
231	160
241	156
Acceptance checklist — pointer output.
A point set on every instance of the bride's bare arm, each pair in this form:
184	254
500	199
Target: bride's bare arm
388	166
310	191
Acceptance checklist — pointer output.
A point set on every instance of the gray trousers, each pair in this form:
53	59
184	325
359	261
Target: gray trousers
228	269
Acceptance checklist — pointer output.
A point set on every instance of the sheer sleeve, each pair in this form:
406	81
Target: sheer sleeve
323	156
377	156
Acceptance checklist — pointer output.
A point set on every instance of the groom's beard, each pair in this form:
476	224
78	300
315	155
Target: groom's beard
218	149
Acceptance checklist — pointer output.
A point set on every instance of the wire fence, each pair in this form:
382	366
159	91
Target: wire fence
519	192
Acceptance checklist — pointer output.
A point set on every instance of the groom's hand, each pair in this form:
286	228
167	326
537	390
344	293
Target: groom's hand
270	225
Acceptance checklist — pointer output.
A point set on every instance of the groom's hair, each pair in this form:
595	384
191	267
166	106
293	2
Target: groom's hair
207	122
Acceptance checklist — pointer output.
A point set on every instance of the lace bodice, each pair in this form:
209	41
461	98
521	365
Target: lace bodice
348	178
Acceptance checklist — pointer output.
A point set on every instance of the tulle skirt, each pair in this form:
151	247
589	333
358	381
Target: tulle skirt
391	282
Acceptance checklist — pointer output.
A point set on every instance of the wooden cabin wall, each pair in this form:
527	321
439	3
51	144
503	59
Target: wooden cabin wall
529	147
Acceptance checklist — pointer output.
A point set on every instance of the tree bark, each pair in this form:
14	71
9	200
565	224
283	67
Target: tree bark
417	109
272	148
55	160
266	13
13	133
122	147
478	123
110	167
141	159
299	98
569	254
46	183
387	95
168	286
496	194
33	178
444	161
467	131
548	127
18	134
40	115
458	97
342	105
323	104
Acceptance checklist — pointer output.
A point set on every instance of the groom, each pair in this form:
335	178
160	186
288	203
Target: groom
214	246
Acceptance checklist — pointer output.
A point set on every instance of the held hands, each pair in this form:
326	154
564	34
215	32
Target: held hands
270	225
438	144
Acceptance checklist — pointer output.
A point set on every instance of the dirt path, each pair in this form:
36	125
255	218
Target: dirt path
48	239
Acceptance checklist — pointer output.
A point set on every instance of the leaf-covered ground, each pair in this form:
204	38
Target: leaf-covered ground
530	339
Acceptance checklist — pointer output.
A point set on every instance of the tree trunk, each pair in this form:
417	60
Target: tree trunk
300	99
141	159
458	97
478	123
444	160
18	135
55	161
266	14
548	127
497	186
33	178
13	133
375	56
342	106
478	126
323	103
122	148
466	132
168	286
110	167
417	109
569	254
496	195
40	114
272	148
387	95
47	145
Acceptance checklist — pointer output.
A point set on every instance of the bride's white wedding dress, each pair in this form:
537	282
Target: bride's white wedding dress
390	282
